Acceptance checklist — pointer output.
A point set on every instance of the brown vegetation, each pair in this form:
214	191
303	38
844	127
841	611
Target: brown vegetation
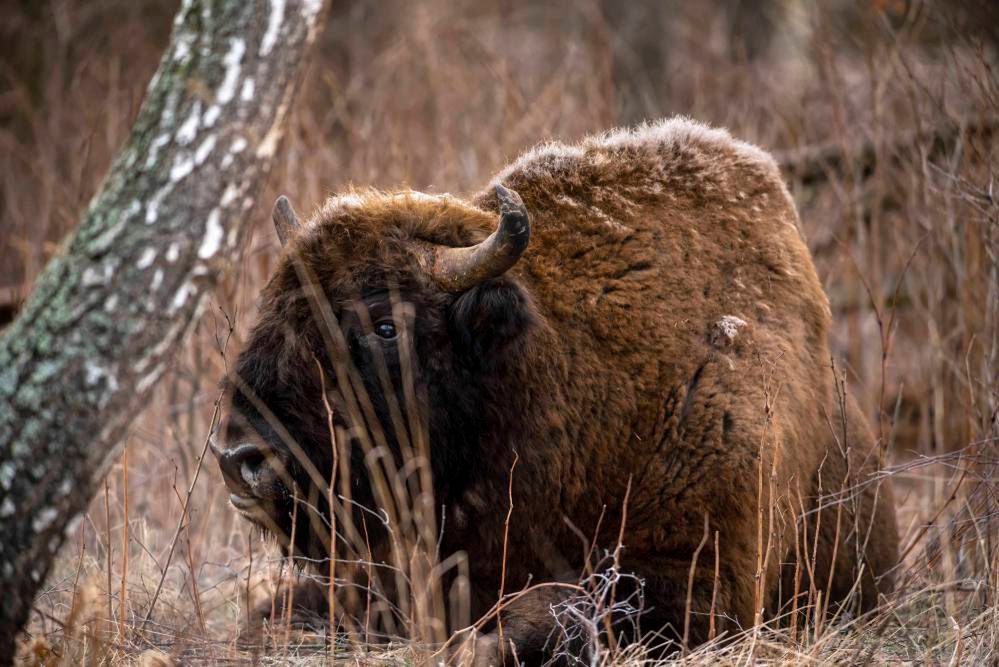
882	116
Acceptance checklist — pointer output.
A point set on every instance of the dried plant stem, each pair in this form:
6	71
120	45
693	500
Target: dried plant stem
290	598
688	606
714	593
275	590
608	627
370	566
506	537
249	570
107	542
798	553
122	610
330	591
192	572
835	553
183	512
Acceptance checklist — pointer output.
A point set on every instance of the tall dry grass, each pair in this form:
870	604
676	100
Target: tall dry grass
883	115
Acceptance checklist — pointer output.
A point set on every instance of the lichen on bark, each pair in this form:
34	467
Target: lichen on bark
108	314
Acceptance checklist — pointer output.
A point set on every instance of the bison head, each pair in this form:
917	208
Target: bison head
385	320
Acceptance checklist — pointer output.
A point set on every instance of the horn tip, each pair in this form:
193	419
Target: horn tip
285	219
509	200
282	203
505	194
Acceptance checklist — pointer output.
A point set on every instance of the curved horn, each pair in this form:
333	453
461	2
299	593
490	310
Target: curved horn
285	221
459	269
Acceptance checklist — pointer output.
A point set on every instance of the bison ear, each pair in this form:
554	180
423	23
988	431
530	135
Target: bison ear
490	319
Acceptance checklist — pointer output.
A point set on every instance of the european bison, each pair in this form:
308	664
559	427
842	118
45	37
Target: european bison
643	330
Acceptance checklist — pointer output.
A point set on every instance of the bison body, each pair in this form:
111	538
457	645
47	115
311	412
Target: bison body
657	357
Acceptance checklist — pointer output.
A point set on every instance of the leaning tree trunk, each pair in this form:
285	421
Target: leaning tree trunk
109	314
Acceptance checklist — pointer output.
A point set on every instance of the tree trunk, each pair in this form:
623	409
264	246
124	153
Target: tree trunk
109	314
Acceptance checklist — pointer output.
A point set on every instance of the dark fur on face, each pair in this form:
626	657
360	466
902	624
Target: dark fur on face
661	340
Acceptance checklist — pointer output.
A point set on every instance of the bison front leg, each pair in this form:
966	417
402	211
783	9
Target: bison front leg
695	610
523	634
561	624
302	603
572	622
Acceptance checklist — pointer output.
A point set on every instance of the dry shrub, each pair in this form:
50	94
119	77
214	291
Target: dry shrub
883	115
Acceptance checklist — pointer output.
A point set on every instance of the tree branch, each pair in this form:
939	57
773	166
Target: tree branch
811	165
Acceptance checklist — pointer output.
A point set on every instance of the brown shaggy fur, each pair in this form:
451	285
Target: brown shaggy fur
670	339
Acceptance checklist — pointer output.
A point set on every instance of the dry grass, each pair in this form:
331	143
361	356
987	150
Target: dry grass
885	120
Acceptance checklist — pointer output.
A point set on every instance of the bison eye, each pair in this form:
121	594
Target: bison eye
385	329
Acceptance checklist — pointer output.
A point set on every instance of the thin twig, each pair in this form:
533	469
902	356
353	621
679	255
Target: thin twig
124	546
183	513
690	585
506	537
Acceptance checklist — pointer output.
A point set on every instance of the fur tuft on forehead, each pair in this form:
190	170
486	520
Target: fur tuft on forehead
400	216
364	237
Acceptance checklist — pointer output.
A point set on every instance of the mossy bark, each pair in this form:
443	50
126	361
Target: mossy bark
110	312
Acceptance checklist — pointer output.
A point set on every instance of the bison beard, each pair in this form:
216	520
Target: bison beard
656	351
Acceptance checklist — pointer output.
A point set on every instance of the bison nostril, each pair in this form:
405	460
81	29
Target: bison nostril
248	468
